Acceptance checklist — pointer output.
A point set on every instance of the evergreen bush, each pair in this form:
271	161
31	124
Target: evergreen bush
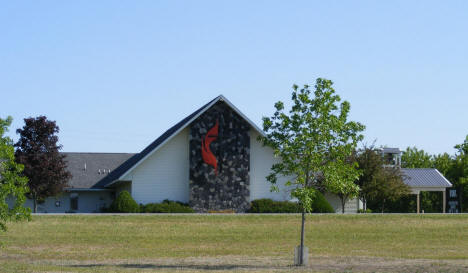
124	203
321	205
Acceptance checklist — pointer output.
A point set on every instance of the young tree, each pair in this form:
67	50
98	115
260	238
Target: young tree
38	151
314	140
13	186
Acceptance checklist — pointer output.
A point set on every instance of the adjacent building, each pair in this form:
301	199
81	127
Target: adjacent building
419	179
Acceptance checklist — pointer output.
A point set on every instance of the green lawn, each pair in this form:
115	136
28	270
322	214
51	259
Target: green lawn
192	243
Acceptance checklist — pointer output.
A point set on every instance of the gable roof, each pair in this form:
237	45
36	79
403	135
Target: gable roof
135	160
425	178
89	168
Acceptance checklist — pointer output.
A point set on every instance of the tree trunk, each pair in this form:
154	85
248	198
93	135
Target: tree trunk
35	204
301	255
364	204
343	202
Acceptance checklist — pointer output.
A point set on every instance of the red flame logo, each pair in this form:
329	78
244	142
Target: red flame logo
207	155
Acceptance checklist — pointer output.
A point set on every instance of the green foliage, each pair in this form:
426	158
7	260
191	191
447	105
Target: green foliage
12	184
124	203
167	206
319	205
443	163
414	158
387	186
364	211
314	140
270	206
460	171
378	183
431	202
38	150
454	168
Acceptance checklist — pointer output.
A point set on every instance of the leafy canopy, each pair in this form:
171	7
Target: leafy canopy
379	182
12	185
38	151
414	158
314	140
462	162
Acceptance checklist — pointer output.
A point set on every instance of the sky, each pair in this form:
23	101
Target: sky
115	75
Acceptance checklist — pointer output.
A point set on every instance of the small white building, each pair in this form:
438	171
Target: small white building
211	160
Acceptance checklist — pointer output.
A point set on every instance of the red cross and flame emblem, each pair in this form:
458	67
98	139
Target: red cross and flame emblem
207	155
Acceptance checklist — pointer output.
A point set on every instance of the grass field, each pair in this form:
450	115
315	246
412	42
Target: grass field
225	243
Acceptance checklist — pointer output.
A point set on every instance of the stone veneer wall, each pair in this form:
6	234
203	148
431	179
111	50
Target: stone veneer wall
229	189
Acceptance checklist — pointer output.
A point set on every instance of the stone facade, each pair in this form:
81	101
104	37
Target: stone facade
224	183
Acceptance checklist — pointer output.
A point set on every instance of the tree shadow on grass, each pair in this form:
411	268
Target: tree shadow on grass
228	267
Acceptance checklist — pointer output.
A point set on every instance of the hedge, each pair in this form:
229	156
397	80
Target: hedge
320	205
167	206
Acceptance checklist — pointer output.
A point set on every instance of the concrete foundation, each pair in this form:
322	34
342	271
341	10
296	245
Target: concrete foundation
297	256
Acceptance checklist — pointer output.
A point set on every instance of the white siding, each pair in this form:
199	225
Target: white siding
88	202
261	160
351	206
164	174
125	186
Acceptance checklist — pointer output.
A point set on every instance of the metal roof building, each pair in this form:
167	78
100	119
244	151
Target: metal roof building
425	178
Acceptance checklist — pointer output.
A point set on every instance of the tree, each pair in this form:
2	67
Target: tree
13	186
38	151
461	170
313	139
378	182
370	162
443	163
414	158
387	185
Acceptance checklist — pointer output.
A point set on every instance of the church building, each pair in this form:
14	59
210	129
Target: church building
212	159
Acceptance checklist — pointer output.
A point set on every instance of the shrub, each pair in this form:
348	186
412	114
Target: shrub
124	203
364	211
320	205
270	206
167	206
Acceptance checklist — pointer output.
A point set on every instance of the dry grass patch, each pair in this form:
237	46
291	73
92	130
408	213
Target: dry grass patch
91	243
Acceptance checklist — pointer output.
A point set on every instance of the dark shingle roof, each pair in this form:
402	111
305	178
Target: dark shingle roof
424	178
97	167
118	172
391	151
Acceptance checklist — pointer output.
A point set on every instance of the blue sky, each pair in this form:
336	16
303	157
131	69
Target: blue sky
117	74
